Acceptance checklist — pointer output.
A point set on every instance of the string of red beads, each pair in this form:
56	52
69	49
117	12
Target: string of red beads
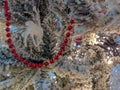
25	62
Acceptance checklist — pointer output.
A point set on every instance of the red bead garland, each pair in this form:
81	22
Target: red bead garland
25	62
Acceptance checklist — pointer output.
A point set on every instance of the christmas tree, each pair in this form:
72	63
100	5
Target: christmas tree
59	44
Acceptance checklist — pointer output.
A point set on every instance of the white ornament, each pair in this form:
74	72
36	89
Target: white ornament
33	30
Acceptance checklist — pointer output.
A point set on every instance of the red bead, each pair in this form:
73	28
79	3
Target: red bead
7	23
60	53
46	63
63	47
70	28
16	56
56	57
51	61
35	66
8	18
13	51
39	65
8	35
26	62
11	45
20	59
68	34
65	41
5	2
72	21
6	6
7	29
32	65
9	40
7	14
